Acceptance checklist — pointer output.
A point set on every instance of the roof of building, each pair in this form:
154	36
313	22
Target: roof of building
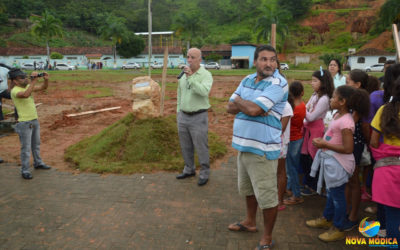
91	51
160	50
30	51
243	43
372	52
216	48
155	33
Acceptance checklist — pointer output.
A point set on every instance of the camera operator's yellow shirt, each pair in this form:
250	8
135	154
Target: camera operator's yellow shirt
25	106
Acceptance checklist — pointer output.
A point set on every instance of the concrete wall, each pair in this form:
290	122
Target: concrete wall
369	61
302	59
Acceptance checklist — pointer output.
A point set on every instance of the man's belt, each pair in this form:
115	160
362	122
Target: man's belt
195	112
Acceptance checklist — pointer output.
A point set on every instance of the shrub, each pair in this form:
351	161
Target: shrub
56	55
213	57
327	58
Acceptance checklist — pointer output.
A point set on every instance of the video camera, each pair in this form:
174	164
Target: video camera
38	75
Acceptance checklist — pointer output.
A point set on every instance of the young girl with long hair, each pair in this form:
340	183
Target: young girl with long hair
335	162
296	90
385	183
316	110
359	80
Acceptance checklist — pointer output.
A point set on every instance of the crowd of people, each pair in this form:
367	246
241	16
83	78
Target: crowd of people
344	143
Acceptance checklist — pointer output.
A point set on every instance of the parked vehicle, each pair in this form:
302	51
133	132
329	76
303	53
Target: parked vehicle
284	66
375	68
131	65
63	66
212	65
157	65
27	66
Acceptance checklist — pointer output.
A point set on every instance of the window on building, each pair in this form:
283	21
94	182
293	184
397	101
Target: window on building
35	57
107	58
173	56
72	57
361	60
158	56
382	59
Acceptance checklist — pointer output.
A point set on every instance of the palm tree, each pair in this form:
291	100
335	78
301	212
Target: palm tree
272	15
47	27
188	25
114	29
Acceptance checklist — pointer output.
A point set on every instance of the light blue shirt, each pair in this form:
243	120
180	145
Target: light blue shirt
261	135
3	77
339	80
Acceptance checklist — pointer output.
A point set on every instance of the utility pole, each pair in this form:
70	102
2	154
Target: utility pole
273	35
149	41
396	41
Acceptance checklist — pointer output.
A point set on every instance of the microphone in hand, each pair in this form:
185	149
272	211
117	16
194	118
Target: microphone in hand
181	74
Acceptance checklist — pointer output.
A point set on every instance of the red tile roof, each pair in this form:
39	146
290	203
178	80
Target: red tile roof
30	51
216	48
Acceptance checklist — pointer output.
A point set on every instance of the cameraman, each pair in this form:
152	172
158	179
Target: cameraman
28	127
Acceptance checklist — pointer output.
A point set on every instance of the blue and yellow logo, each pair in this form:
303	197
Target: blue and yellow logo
369	228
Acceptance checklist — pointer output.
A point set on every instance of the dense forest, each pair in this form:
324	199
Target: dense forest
198	21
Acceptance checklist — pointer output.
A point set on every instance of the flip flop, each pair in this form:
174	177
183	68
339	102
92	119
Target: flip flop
266	246
291	201
242	228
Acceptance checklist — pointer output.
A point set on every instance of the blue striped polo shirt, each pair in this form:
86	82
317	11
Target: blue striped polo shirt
261	135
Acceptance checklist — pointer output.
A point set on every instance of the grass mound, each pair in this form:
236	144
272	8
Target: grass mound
135	146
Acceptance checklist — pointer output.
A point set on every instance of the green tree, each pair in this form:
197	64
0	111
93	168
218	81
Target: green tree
188	25
56	55
213	57
388	14
46	27
132	46
297	8
271	14
327	58
114	29
242	36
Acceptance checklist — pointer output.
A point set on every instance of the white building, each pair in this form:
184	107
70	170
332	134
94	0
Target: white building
80	56
368	57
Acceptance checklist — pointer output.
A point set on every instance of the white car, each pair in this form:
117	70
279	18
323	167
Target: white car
375	67
212	65
284	66
131	65
27	66
63	66
157	65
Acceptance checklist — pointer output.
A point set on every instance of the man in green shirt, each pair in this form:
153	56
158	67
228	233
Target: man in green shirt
192	116
27	127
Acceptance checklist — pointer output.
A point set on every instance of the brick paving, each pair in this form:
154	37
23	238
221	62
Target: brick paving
60	210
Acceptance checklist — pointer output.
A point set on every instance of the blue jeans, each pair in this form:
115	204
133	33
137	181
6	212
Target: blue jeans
335	207
392	222
29	137
292	166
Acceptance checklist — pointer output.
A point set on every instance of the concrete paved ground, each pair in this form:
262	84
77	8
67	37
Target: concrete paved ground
60	210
